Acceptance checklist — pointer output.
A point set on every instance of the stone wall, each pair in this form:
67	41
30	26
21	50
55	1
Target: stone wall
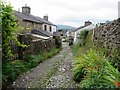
108	35
34	46
40	46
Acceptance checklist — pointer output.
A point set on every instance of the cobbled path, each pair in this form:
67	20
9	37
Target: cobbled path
52	73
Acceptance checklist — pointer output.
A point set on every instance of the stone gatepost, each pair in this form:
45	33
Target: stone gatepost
25	39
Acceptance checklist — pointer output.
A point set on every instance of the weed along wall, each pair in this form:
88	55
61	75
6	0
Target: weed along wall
108	35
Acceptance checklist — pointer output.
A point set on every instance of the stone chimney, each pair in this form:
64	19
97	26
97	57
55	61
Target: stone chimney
26	9
18	9
87	23
119	9
45	17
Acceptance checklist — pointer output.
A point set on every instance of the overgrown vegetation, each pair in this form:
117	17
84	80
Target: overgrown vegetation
91	66
82	37
96	71
9	27
114	58
15	68
82	46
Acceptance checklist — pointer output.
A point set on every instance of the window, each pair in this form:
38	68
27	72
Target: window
50	29
45	27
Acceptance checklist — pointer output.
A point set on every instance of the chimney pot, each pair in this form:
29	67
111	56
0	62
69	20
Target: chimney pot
26	9
87	23
46	17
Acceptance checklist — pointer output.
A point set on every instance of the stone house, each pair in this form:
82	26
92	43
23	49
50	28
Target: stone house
30	22
87	26
69	33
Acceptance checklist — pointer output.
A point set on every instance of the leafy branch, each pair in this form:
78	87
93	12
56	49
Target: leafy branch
9	27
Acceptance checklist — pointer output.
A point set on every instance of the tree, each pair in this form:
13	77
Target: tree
9	27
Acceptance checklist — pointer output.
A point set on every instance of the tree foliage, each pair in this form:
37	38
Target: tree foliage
9	27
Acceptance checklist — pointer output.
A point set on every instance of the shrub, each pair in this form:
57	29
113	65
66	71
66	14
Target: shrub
114	58
11	70
83	35
58	42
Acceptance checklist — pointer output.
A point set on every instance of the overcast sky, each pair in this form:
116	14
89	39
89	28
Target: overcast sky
71	12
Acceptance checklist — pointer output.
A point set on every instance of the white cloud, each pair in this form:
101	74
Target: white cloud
71	12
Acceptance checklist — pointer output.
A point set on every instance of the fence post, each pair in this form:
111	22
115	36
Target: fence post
20	49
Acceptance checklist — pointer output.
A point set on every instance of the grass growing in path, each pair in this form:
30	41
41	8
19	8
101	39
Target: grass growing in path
42	81
11	70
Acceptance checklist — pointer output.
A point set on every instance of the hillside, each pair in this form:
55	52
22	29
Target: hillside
65	27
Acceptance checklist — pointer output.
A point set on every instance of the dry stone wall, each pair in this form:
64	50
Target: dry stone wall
34	46
108	35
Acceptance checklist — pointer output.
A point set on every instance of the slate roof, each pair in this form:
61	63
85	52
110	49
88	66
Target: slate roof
32	18
41	32
26	17
81	27
43	20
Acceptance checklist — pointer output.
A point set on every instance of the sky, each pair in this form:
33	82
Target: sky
71	12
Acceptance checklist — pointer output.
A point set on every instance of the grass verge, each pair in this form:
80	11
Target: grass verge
11	70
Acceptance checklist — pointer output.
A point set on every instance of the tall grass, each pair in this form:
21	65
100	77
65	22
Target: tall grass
91	68
79	48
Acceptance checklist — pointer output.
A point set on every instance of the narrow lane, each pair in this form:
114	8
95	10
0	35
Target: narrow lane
52	73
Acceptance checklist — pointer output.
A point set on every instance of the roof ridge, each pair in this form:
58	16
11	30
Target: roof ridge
33	18
43	20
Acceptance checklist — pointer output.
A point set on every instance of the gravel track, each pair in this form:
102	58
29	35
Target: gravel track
51	73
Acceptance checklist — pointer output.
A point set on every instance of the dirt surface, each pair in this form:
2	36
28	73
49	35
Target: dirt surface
52	73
